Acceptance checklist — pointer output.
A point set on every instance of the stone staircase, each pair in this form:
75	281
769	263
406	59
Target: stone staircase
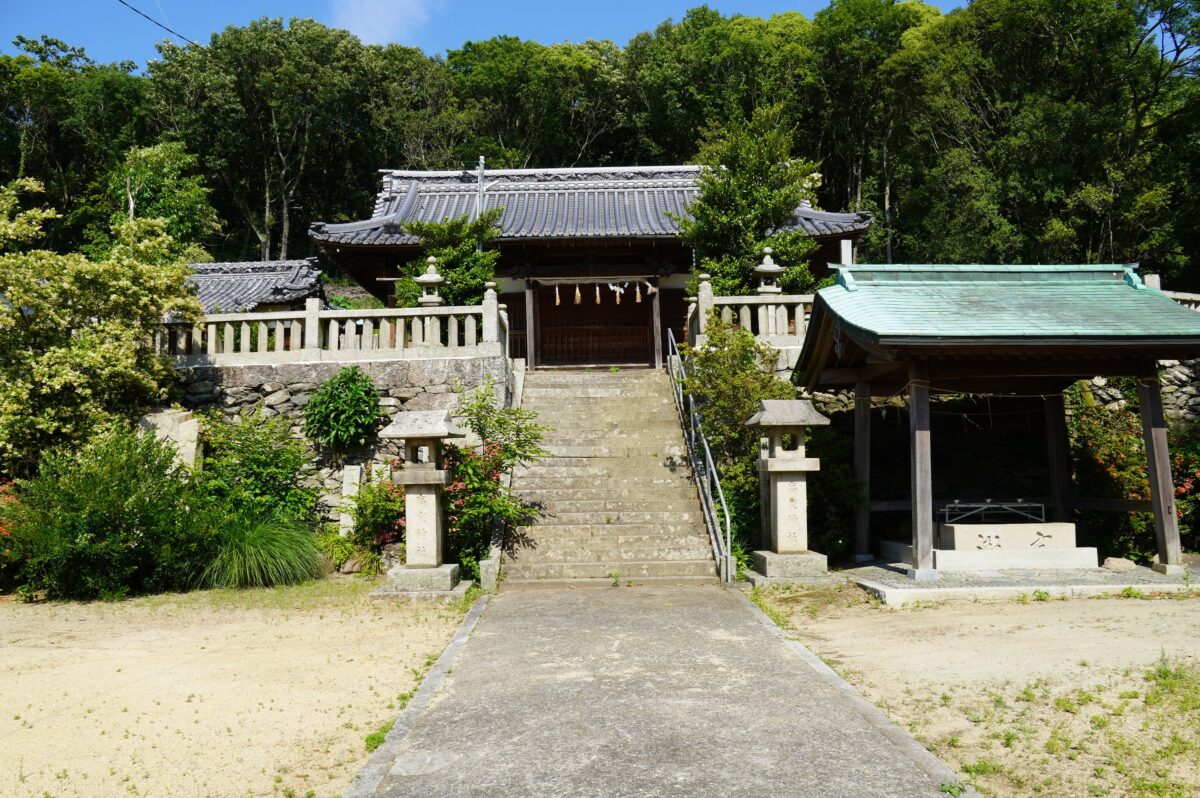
616	491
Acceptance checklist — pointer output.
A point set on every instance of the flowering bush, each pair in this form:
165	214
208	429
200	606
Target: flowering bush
1110	461
8	553
480	505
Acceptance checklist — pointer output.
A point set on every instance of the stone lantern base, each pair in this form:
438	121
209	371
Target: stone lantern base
807	567
406	582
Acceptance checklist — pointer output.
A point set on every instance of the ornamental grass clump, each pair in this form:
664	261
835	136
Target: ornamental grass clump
263	552
343	411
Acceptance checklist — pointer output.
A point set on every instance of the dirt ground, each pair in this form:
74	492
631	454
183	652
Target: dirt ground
208	694
1087	697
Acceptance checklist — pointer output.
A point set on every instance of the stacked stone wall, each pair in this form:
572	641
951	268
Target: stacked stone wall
285	389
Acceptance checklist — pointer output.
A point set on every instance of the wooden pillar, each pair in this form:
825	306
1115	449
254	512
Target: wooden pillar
921	472
1059	457
656	326
530	326
862	471
1158	468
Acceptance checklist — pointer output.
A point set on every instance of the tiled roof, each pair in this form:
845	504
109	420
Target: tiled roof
605	202
911	303
238	287
1028	309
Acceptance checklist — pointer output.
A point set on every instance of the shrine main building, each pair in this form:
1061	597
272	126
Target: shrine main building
591	266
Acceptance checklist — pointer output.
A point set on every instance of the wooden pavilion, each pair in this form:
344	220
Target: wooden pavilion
591	267
977	329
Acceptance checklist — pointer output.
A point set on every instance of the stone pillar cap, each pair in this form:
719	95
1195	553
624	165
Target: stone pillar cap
787	413
422	424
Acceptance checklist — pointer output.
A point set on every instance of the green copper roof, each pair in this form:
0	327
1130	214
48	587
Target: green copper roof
930	303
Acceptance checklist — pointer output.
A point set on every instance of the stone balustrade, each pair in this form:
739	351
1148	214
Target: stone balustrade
314	334
778	319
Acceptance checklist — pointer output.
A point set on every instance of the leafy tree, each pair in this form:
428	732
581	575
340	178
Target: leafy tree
73	358
67	121
750	188
462	257
159	182
266	106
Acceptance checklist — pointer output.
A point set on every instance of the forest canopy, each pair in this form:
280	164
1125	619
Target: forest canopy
1005	131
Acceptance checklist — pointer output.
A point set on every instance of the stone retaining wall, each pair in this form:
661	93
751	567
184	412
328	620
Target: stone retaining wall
285	388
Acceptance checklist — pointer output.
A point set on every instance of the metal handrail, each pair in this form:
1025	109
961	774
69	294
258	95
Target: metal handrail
703	471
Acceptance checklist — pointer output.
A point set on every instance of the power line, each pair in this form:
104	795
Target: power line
142	14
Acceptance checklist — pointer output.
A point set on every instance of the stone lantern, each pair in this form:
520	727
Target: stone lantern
423	479
431	285
783	469
768	273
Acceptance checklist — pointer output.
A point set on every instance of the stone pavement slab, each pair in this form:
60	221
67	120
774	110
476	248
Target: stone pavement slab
891	584
644	691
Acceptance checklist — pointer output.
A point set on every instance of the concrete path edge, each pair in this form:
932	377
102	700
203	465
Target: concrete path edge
874	716
367	780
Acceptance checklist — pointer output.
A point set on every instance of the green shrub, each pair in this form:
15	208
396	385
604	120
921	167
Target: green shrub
120	516
337	547
263	552
343	411
478	502
377	511
728	377
255	467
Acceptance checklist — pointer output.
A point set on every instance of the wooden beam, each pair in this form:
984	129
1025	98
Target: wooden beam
1158	467
656	326
530	326
1059	456
862	470
850	376
921	472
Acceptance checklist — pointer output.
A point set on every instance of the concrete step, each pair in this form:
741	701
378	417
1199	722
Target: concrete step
606	583
600	570
661	456
616	437
629	469
577	450
559	517
553	495
536	531
677	506
613	554
644	484
578	377
550	539
643	392
625	422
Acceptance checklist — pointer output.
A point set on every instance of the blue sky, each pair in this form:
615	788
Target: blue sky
111	32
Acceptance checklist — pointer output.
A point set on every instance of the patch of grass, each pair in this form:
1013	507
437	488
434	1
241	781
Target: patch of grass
814	601
777	616
983	767
1132	592
376	738
953	788
615	577
1041	595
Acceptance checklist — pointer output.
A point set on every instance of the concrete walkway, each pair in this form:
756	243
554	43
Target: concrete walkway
644	691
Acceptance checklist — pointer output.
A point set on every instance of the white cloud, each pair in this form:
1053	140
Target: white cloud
382	21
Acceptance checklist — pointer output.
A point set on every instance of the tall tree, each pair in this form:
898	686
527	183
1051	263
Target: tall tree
749	188
261	106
